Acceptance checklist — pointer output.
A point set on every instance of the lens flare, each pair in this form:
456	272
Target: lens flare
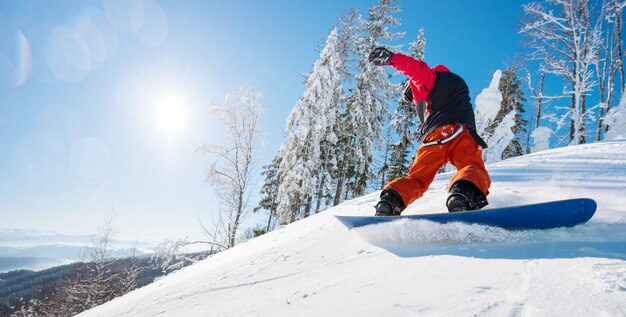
15	55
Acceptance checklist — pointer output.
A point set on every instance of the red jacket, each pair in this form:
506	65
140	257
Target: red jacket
422	77
440	96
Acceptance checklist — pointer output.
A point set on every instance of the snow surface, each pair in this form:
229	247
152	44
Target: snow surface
316	267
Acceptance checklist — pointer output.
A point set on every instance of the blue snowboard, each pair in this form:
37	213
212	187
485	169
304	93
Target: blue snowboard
554	214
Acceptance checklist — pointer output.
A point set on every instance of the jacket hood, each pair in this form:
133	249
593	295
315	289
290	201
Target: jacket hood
441	68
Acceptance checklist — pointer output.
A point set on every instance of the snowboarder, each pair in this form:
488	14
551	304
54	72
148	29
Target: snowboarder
448	134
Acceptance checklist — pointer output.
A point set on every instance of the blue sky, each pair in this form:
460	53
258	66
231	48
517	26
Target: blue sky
84	136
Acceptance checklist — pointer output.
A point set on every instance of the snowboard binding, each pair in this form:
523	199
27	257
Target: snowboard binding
465	196
390	203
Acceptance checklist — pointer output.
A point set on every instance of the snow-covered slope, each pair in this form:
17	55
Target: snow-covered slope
315	267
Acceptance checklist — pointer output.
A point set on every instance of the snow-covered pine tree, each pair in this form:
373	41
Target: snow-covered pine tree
348	31
367	106
311	123
487	106
269	192
512	98
417	48
405	120
380	177
500	139
332	166
565	40
497	132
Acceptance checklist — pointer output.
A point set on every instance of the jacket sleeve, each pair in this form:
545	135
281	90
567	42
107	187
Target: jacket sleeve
417	71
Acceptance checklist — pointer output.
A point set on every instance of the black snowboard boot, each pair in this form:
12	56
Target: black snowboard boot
464	195
390	203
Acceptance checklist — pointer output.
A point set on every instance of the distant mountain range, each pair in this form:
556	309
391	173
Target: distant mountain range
38	250
26	236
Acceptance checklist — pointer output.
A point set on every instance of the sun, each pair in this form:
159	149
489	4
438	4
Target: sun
170	113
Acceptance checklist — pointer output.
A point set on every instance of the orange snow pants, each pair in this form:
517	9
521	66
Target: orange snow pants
462	152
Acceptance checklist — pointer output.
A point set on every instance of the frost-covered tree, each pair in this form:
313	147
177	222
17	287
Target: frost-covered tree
565	39
97	281
487	106
500	139
417	48
311	124
541	101
234	162
616	120
72	289
405	121
381	176
609	62
366	107
541	139
499	118
615	9
269	192
494	124
330	154
99	285
512	100
170	255
348	30
537	95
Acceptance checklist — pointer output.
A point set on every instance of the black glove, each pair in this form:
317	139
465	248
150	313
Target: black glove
380	56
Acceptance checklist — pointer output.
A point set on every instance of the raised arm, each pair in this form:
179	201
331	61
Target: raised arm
417	71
